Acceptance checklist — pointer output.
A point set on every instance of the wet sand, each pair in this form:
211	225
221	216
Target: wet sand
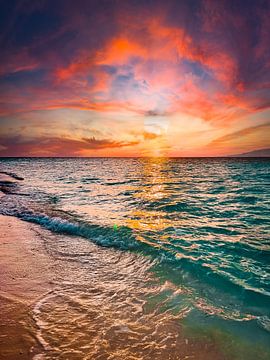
26	274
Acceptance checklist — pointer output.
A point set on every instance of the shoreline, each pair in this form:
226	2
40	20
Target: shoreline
26	275
31	275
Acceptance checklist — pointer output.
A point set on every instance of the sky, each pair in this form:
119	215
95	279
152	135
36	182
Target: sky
134	78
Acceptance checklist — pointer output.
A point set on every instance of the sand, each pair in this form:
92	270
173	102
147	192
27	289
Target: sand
25	276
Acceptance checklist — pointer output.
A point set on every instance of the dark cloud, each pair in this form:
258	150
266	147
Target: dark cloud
46	146
93	143
153	113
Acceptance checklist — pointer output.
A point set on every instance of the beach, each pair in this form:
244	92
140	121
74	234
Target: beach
26	274
29	275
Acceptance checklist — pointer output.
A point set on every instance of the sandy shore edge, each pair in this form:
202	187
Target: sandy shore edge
26	275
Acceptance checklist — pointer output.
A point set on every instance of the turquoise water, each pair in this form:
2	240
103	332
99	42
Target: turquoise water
202	223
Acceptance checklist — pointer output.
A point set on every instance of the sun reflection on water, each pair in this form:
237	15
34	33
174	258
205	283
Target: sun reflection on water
152	189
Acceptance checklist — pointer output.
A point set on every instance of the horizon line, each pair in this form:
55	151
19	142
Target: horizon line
135	157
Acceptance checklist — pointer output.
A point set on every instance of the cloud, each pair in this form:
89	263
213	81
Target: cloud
248	138
152	113
135	60
240	133
150	135
144	65
46	146
93	143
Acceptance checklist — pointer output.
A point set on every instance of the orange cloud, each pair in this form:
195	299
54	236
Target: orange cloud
150	136
119	50
159	50
244	139
170	44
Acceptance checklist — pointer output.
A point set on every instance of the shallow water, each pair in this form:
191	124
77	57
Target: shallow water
188	247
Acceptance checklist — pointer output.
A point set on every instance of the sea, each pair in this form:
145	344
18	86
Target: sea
162	258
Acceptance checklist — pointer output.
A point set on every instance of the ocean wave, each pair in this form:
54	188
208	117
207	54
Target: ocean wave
195	263
12	175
